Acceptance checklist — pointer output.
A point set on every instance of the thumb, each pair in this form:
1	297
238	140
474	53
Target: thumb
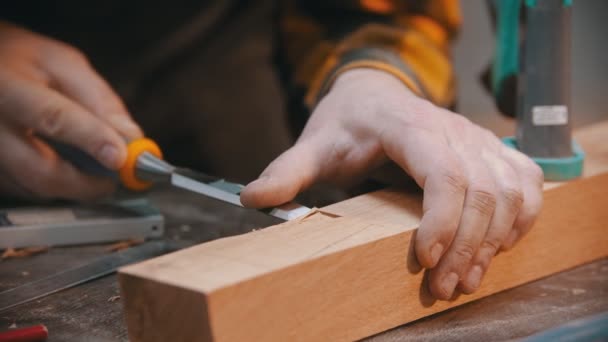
293	171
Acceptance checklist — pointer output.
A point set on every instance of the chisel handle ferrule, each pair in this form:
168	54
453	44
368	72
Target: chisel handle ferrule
128	173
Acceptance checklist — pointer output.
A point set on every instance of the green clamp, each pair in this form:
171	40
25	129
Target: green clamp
557	169
507	52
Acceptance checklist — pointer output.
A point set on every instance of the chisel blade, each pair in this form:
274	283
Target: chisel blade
230	193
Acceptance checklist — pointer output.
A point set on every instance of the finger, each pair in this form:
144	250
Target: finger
444	185
73	76
532	180
52	115
35	168
8	186
479	205
293	171
508	203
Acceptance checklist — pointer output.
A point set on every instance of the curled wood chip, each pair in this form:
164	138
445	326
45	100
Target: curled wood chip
315	211
119	246
113	299
23	252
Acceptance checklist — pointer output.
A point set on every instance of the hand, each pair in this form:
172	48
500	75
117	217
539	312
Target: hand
48	88
479	196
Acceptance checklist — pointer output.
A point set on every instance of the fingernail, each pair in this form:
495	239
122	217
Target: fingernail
108	155
436	253
449	284
511	238
474	276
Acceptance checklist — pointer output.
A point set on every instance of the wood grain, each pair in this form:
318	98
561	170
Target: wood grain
347	277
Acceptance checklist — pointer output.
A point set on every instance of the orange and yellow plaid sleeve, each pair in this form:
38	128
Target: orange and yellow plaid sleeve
408	39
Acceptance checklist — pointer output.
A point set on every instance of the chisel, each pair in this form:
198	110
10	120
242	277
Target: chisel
145	166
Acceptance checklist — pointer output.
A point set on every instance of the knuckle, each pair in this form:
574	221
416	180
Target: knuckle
465	251
340	149
491	244
482	200
50	120
455	180
536	172
513	197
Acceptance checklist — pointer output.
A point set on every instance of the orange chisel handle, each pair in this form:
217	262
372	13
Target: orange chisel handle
127	173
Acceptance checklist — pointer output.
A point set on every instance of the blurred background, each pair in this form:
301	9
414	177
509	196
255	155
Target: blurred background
201	78
475	48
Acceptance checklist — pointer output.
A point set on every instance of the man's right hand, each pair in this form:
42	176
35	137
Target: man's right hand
48	88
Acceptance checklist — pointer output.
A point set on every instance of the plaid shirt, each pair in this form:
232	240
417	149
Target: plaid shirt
319	39
410	39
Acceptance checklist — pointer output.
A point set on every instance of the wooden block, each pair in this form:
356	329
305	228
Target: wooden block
350	273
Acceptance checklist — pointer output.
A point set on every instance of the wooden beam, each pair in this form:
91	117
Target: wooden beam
348	271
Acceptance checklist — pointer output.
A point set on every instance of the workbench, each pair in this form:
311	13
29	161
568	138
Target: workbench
93	312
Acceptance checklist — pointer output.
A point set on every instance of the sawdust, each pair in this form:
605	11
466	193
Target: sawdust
577	292
113	299
119	246
10	253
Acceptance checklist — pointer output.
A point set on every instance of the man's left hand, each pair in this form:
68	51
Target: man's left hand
479	196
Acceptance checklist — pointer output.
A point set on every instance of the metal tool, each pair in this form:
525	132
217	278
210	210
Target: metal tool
152	169
62	225
100	267
544	118
145	166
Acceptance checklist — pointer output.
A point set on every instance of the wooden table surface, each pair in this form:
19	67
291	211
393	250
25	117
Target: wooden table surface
86	313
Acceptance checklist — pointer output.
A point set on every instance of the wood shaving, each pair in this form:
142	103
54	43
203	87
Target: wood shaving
119	246
577	292
23	252
315	211
113	299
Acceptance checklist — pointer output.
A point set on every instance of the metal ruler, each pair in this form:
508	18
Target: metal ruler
100	267
72	225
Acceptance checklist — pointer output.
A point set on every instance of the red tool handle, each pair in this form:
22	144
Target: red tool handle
34	333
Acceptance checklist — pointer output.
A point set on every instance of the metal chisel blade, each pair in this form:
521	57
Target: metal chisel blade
229	192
